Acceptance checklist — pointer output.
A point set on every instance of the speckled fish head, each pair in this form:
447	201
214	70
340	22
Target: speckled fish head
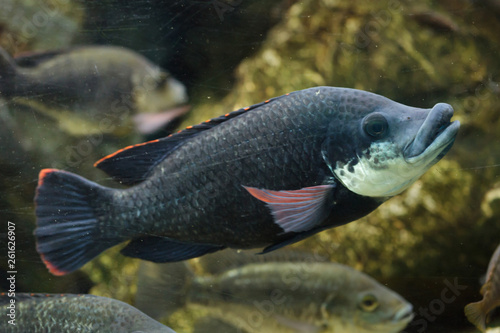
169	89
381	310
158	91
380	147
367	306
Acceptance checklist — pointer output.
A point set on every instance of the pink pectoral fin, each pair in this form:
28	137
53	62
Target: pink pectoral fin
147	123
297	210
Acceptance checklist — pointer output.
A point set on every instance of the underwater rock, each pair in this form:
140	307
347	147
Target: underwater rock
39	25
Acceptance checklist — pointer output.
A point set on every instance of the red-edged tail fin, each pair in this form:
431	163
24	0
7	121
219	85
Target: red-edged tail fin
67	232
476	315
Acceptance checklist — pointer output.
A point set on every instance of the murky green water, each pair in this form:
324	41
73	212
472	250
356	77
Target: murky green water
431	244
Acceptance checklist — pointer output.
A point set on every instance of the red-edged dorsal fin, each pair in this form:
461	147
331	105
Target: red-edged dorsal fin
131	165
226	260
33	59
43	173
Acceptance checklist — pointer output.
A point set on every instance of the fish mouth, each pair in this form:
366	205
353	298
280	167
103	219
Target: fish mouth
436	135
404	315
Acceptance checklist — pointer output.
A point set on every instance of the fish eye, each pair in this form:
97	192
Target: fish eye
369	303
375	125
162	79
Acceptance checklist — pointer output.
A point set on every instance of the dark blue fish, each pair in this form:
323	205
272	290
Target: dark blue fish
263	176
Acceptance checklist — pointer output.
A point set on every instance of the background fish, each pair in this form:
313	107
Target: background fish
272	294
478	313
73	313
209	324
268	175
82	87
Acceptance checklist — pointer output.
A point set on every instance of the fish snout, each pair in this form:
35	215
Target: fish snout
444	112
405	314
178	91
435	132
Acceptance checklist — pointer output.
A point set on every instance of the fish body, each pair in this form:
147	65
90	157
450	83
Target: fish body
268	175
211	324
274	296
73	313
478	313
83	86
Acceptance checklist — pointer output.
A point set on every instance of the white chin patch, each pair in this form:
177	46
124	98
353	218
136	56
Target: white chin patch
176	91
384	173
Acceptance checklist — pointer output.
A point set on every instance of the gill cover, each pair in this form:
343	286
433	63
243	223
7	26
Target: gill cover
380	152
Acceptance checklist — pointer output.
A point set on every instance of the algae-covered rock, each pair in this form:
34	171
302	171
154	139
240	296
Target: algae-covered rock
28	25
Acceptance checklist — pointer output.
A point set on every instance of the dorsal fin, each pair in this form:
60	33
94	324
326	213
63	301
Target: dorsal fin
230	259
33	59
22	297
132	164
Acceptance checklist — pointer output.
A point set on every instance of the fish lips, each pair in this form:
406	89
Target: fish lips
436	134
404	315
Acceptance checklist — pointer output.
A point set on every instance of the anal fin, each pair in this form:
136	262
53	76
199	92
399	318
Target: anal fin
293	239
162	249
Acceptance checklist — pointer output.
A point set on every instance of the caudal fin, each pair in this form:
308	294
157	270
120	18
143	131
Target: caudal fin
161	288
67	233
476	315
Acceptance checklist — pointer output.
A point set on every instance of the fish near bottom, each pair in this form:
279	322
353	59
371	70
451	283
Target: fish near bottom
73	313
270	294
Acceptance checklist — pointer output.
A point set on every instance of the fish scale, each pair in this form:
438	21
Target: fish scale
73	313
268	175
192	156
